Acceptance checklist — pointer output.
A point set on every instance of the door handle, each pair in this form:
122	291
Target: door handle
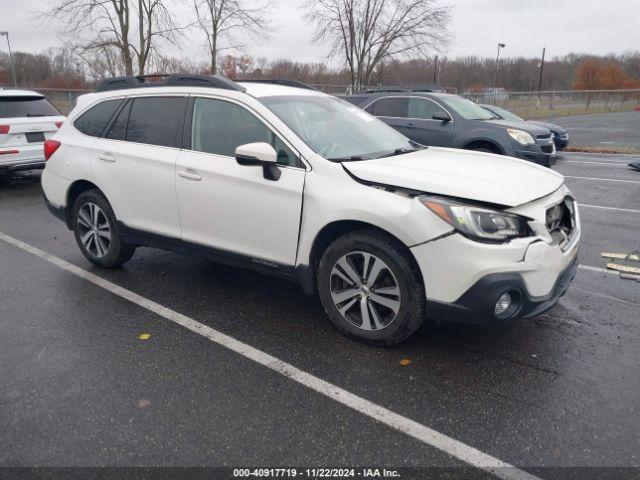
189	175
106	157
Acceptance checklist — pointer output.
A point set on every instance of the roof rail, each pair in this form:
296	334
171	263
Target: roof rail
384	89
277	81
173	80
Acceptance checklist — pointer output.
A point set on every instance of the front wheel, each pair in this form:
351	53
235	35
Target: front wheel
371	288
96	231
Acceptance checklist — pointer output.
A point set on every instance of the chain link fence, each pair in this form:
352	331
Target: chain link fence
64	99
547	104
529	105
561	103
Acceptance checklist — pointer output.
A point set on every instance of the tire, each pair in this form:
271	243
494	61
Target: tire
102	245
367	320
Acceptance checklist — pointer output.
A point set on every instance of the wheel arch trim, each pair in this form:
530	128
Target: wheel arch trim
307	273
75	189
467	143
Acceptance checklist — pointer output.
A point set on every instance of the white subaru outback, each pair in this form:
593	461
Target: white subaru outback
291	181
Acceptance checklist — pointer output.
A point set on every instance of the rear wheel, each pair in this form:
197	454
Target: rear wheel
96	231
371	288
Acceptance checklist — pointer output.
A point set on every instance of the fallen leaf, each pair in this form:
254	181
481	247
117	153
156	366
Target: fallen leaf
143	403
144	336
404	362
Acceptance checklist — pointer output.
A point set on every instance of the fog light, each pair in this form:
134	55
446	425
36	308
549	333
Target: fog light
503	303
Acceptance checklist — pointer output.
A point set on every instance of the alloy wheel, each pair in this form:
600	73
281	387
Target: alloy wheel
95	231
365	291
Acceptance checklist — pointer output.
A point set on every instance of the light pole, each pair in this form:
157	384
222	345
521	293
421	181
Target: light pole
500	45
13	71
541	69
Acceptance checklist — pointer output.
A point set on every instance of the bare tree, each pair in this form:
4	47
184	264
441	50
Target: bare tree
101	62
110	24
368	32
154	21
227	19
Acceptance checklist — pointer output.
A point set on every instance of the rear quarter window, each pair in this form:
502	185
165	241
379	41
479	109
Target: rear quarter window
26	106
93	121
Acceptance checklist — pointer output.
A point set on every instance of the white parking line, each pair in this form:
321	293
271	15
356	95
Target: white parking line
607	297
604	179
426	435
607	164
628	210
605	155
589	268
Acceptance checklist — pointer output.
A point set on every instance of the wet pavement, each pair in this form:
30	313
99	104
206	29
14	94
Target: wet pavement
78	387
605	130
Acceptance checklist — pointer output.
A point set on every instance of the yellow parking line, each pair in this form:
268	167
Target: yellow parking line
621	256
623	268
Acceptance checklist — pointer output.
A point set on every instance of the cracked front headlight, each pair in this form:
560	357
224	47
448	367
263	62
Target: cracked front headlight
520	136
478	223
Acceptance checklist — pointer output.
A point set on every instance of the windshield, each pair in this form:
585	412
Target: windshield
336	129
12	107
507	115
467	109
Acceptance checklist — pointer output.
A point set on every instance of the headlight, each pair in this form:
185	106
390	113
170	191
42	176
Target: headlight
476	222
520	136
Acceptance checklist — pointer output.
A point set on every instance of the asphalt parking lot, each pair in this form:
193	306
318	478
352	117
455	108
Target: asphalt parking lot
604	130
79	387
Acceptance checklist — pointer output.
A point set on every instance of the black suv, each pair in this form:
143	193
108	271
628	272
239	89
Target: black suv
446	120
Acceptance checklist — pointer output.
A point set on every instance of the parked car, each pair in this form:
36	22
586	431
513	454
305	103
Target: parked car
560	134
27	119
445	120
301	184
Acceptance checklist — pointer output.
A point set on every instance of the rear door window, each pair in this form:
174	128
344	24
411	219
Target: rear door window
26	106
93	121
155	120
389	107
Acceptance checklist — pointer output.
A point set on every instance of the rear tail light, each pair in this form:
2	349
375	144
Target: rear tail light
4	129
50	147
58	124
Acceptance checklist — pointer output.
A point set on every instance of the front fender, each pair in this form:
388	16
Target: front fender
327	201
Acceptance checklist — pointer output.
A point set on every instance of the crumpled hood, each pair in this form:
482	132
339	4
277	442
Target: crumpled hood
479	176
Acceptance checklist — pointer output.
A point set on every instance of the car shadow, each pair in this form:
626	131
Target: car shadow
12	179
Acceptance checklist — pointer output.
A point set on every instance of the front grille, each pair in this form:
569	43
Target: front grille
561	221
544	137
547	148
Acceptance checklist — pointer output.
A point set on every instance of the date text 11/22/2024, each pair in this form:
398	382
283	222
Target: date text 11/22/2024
315	473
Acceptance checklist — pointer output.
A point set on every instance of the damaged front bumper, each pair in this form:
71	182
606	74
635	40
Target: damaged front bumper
465	279
478	304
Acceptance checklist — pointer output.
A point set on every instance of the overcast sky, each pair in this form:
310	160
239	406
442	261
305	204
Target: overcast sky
563	26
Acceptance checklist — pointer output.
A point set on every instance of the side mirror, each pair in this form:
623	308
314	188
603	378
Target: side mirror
259	154
442	116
